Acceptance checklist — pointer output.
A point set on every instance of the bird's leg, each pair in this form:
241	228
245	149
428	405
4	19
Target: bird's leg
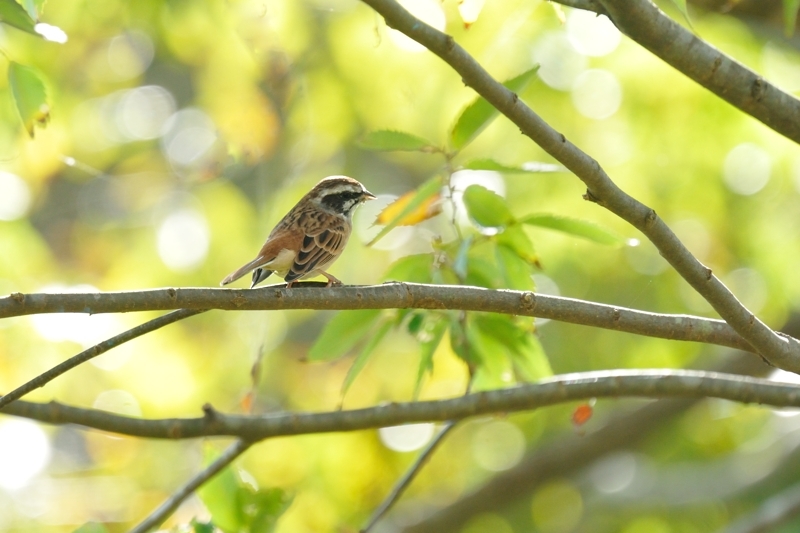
331	279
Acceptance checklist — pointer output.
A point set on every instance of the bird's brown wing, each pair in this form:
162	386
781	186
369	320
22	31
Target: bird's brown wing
319	249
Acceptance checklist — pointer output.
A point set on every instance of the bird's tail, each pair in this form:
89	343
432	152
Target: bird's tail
255	263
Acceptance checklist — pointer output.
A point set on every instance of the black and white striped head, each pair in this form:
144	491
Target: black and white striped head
339	194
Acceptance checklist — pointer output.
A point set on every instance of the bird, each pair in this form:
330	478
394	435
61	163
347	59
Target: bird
311	236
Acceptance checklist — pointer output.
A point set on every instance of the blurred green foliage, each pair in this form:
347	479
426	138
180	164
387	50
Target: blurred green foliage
180	132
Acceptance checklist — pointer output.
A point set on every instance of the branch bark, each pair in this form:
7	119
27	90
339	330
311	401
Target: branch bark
386	296
560	389
643	22
779	351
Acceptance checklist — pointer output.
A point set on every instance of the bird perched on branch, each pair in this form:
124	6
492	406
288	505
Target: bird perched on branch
311	236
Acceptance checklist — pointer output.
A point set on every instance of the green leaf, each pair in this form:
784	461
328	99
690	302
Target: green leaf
575	227
461	261
516	271
515	238
482	272
342	333
486	207
220	496
263	507
415	268
29	95
363	356
201	527
424	191
532	167
790	8
477	115
460	344
430	338
524	348
494	370
13	14
32	8
390	140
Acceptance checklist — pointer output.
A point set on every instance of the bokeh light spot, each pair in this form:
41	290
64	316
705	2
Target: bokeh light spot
190	133
51	33
118	401
24	452
746	169
406	438
592	35
428	11
183	240
560	63
557	507
498	446
130	54
141	113
15	196
596	94
613	473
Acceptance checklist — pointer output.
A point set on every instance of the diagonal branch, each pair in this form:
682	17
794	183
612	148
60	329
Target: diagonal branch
557	390
643	22
90	353
157	517
780	351
386	296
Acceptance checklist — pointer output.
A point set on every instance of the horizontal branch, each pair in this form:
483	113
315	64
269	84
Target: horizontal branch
561	389
386	296
780	351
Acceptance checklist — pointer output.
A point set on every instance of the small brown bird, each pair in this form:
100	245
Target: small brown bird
311	236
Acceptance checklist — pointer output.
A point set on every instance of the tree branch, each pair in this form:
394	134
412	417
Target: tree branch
157	517
386	296
566	456
643	22
401	486
557	390
780	351
94	351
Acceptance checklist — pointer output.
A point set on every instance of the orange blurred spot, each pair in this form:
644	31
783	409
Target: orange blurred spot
582	414
247	402
427	209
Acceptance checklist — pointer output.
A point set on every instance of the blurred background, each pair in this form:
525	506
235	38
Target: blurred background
181	132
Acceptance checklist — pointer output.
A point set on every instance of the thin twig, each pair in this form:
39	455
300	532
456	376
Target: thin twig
780	351
94	351
393	295
560	389
157	517
401	486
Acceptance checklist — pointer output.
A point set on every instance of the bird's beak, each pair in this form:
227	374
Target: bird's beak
366	195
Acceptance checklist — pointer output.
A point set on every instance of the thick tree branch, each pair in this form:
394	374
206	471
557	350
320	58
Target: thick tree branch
780	351
565	456
42	379
643	22
386	296
557	390
157	517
